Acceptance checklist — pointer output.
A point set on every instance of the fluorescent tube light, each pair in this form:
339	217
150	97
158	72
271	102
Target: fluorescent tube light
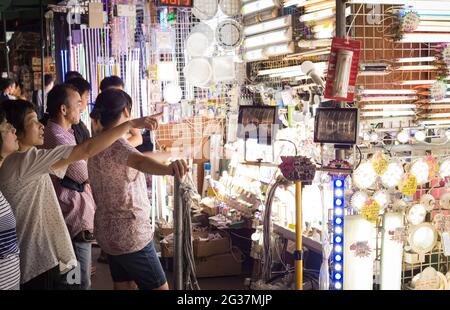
318	15
434	122
320	6
257	6
269	38
416	68
433	29
269	25
311	44
281	49
255	55
388	113
388	92
417	82
416	59
388	98
435	4
388	106
300	3
373	73
425	37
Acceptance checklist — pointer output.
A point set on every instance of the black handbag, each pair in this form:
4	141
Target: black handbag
71	184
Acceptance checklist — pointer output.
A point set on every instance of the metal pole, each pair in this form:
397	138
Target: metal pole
178	234
6	45
42	54
340	33
298	237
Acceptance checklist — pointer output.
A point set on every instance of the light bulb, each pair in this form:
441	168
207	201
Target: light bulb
392	175
403	136
338	285
420	136
358	199
338	258
373	137
444	169
337	276
338	249
338	211
339	221
338	239
338	230
338	202
421	171
382	198
338	267
338	193
364	176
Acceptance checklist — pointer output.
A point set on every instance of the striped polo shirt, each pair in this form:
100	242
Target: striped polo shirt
9	248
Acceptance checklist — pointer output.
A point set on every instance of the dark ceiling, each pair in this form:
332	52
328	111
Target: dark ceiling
23	15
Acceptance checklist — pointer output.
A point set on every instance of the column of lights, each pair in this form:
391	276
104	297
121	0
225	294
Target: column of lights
338	236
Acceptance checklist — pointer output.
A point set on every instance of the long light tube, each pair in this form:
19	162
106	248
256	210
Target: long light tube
314	43
425	37
255	55
300	3
280	49
391	252
269	38
338	235
417	4
312	7
269	25
358	253
388	106
417	82
421	28
320	65
320	68
417	67
416	59
388	113
318	15
388	92
257	6
388	98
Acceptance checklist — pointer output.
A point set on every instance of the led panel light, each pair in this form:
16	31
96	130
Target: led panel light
257	6
358	267
391	252
338	237
269	38
274	24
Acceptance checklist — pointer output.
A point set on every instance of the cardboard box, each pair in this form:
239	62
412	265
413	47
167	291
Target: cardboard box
207	248
210	210
219	265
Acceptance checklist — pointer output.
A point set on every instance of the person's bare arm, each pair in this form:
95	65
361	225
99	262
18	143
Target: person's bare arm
103	140
149	165
135	137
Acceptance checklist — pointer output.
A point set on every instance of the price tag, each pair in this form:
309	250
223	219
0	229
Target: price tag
379	163
408	185
371	210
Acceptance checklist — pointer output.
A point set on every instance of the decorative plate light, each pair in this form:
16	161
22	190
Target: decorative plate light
198	72
364	176
416	214
438	90
444	169
410	22
393	175
382	198
205	9
399	205
428	201
172	93
229	34
230	7
421	171
358	199
422	238
200	41
444	201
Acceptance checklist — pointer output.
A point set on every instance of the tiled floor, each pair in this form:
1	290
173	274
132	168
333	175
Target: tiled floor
102	278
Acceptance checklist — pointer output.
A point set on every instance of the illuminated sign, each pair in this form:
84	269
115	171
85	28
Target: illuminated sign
176	3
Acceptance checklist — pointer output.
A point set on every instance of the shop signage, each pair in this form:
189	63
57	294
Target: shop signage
176	3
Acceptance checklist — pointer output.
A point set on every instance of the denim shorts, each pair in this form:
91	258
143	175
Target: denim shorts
142	267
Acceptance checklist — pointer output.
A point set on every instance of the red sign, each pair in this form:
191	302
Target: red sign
176	3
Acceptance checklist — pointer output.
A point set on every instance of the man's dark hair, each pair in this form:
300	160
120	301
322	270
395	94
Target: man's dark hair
48	78
15	111
5	83
71	75
57	97
111	81
80	84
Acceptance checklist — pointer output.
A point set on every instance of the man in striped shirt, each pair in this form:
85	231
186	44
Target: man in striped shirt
73	191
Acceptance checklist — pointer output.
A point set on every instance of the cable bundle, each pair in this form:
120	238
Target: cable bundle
188	192
267	227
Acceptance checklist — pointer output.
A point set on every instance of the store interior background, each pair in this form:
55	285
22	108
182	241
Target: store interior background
375	214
